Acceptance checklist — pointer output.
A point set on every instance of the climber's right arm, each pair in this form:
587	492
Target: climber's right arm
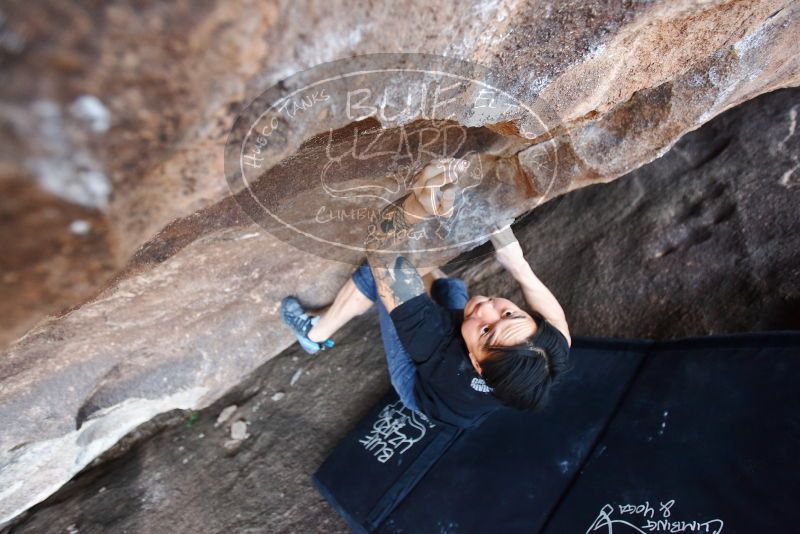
509	254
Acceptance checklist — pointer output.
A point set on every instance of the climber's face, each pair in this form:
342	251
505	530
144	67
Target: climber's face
493	321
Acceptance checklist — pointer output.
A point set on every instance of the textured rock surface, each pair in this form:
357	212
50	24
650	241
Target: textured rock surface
627	79
55	254
704	240
194	311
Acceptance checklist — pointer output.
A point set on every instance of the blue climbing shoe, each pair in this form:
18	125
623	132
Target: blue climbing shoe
294	316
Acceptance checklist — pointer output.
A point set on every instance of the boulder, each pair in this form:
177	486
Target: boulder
125	110
701	241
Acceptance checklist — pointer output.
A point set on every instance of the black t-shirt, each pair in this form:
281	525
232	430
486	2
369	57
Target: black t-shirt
447	388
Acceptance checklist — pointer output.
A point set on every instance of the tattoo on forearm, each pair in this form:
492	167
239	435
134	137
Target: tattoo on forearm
397	284
393	229
393	217
396	278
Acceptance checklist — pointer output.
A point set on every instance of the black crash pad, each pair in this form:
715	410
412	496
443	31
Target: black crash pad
694	435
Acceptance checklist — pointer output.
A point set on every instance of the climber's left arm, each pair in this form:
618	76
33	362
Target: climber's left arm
396	278
397	230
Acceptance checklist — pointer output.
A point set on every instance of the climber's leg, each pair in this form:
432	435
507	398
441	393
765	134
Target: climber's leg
433	274
354	300
402	370
349	302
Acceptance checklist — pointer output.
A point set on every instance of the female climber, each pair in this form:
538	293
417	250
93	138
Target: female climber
452	357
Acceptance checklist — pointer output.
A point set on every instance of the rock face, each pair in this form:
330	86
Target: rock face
136	103
703	240
56	253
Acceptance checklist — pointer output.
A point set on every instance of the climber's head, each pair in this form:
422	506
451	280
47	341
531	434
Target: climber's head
517	354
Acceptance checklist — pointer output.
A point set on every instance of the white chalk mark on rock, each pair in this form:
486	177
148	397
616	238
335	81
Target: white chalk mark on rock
80	227
792	124
225	414
786	178
91	110
295	377
239	430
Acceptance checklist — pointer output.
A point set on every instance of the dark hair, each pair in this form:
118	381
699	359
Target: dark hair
522	375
